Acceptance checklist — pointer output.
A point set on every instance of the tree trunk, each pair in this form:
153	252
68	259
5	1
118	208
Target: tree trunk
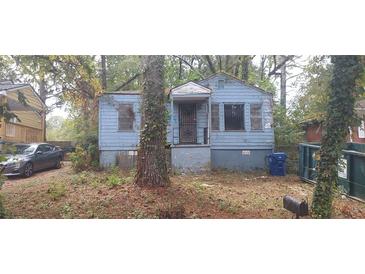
151	159
43	95
210	63
340	112
262	67
103	72
283	86
245	68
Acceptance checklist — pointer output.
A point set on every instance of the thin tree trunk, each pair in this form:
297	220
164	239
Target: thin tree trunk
283	86
210	63
262	67
103	72
151	159
43	95
245	68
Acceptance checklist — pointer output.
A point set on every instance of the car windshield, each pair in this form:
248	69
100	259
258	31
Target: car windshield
25	149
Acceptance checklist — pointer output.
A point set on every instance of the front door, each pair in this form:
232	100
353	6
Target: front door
187	123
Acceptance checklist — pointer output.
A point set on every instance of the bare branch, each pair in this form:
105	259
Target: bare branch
128	81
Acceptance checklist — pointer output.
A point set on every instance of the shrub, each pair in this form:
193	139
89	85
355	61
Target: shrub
80	159
115	180
82	178
57	190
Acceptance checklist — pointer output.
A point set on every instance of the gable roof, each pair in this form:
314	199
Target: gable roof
190	88
6	86
236	79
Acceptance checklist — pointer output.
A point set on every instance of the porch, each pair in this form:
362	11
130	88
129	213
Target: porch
190	126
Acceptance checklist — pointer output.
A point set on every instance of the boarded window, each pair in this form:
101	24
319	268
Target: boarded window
215	117
126	117
233	117
256	116
220	84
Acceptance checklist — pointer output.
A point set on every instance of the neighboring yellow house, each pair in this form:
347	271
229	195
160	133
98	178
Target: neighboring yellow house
31	126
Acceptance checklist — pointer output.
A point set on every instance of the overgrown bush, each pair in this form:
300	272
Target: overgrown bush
57	190
85	159
81	178
114	180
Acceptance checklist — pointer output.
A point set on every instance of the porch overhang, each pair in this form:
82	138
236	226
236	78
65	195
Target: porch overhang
190	91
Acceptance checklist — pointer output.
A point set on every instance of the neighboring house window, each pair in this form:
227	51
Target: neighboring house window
220	84
256	116
125	117
215	116
233	117
13	120
10	130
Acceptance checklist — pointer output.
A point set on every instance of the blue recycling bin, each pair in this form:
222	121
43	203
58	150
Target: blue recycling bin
277	163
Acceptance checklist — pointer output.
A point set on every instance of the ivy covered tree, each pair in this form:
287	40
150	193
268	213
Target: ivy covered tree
151	159
344	89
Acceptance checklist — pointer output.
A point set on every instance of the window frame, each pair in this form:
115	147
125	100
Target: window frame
261	116
132	129
243	117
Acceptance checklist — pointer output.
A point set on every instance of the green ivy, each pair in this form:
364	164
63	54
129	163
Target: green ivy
340	114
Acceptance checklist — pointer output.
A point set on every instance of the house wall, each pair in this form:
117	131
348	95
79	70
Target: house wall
313	134
191	158
242	160
110	137
228	148
235	91
31	126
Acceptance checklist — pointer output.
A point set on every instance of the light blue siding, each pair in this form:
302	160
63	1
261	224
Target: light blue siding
235	91
110	137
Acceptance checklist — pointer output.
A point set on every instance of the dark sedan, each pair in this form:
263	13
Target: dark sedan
28	158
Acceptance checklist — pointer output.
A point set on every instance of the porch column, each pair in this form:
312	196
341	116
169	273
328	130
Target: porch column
209	117
172	120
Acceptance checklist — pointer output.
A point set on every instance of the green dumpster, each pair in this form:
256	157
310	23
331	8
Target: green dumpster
351	171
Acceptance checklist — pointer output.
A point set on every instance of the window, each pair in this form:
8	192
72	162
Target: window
220	84
10	130
13	120
256	116
233	117
126	117
215	117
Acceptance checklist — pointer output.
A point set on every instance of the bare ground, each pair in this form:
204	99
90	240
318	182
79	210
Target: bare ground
63	194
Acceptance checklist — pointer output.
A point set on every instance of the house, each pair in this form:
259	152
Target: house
218	122
29	127
314	128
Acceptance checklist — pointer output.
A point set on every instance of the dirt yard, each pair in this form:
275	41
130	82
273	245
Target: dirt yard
63	194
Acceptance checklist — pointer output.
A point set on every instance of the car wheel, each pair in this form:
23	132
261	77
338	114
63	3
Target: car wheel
58	163
28	170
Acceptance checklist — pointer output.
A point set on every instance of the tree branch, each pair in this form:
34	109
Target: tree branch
278	66
128	81
190	65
